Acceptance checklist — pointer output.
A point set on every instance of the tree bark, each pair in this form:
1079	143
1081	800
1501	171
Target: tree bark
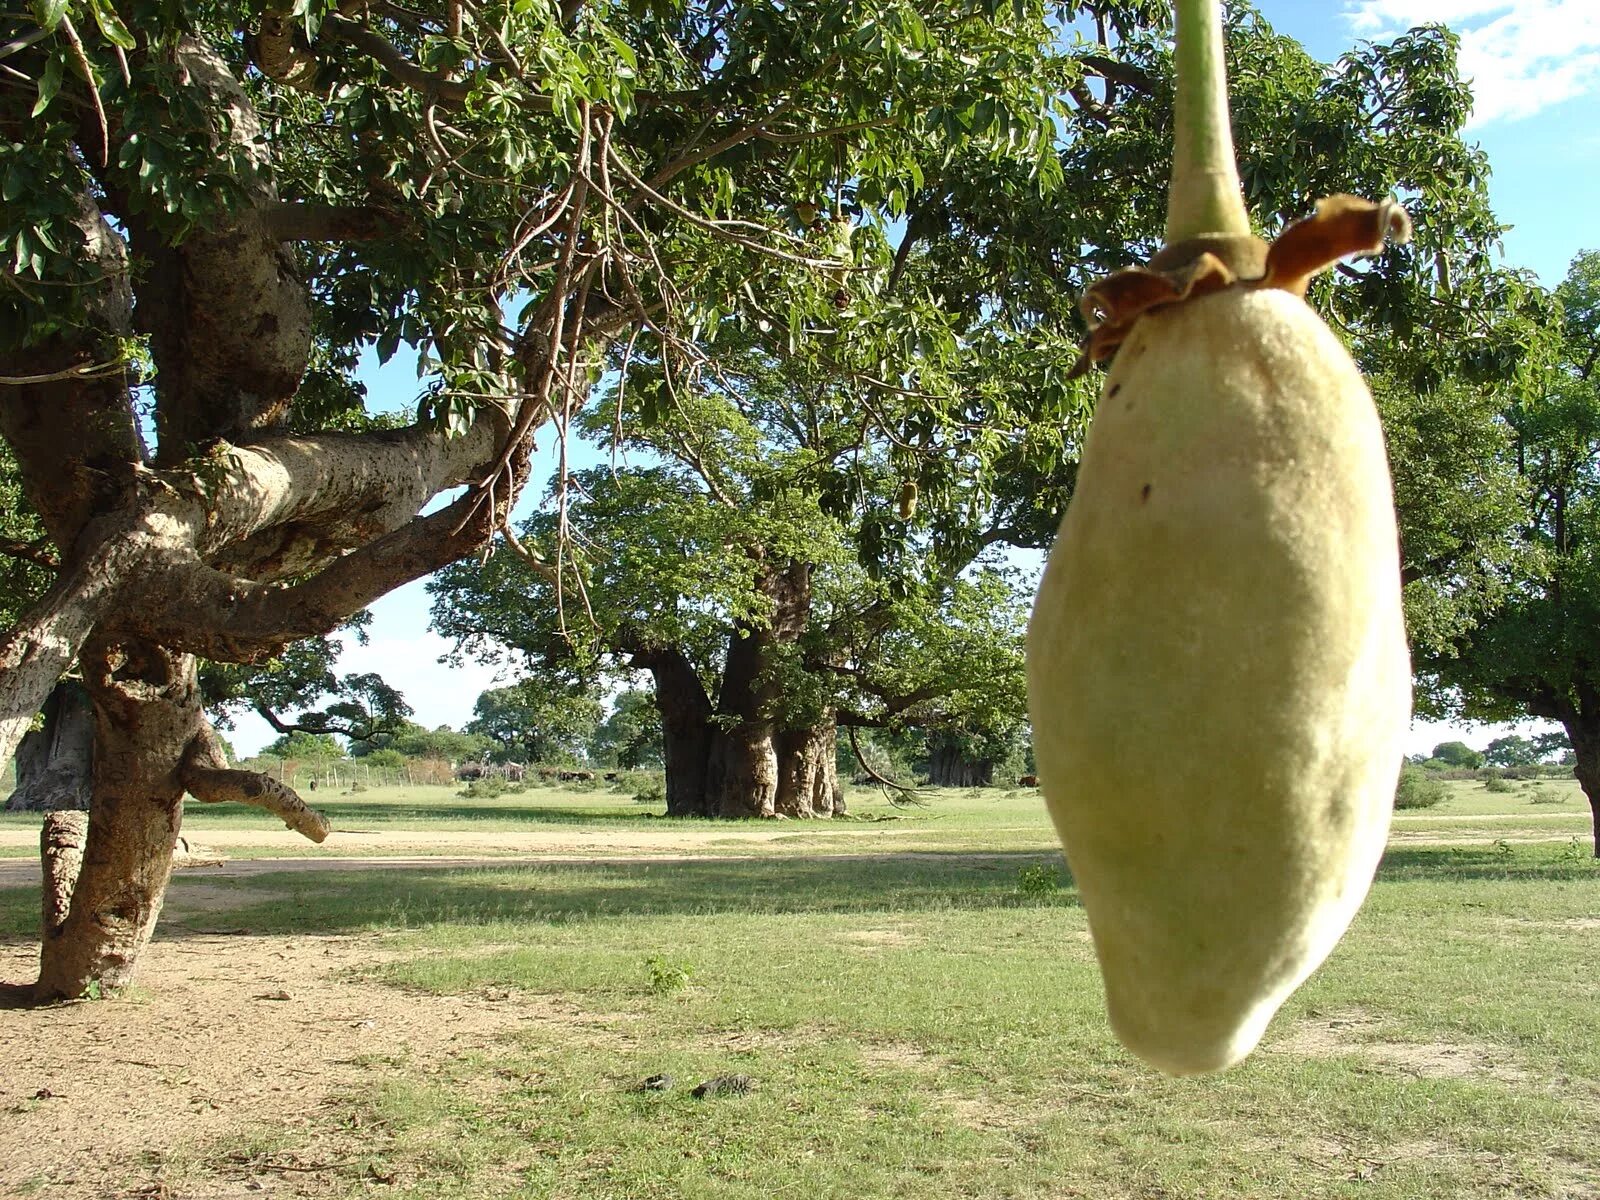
1584	732
742	775
685	728
146	712
53	762
808	771
948	767
61	842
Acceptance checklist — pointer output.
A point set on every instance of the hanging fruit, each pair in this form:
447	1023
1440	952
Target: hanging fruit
1217	667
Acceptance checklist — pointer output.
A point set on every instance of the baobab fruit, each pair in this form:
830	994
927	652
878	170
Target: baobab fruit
1218	676
1217	670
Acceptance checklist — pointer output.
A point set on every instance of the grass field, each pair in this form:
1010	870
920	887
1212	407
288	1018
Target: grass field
914	999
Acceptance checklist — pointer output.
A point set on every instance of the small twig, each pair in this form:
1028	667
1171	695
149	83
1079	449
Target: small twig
93	371
720	228
73	40
16	45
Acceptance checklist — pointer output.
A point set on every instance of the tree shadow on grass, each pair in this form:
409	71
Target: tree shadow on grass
607	810
310	902
1540	863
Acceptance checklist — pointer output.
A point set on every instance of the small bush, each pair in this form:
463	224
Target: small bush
1543	795
654	792
1496	784
646	787
1038	881
1418	789
489	787
666	976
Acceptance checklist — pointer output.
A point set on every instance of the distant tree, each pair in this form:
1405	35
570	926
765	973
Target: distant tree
386	759
309	747
1458	754
1533	649
630	736
442	742
1513	750
410	740
297	690
536	720
1557	745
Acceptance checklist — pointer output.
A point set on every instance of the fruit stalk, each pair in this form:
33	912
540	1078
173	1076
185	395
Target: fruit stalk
1204	197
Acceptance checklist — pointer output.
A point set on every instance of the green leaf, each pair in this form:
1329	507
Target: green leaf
111	25
49	84
49	12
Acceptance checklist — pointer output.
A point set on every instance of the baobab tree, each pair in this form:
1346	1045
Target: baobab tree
210	213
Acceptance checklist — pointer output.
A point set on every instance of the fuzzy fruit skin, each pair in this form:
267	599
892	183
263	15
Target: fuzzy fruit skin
1218	676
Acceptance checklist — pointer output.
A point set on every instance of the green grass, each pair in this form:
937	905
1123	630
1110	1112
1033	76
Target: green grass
930	1025
1008	819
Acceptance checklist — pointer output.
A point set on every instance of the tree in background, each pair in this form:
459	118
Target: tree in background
210	212
1532	648
798	456
298	744
1457	754
536	721
630	736
1513	750
297	691
414	741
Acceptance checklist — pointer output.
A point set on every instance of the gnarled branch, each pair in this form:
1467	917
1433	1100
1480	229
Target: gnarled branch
207	777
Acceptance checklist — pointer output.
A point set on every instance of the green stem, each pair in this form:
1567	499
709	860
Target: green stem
1204	198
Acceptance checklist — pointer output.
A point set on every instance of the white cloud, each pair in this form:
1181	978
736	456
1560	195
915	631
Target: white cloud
1521	57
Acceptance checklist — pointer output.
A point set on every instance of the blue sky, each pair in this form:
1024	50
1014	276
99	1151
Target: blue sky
1535	67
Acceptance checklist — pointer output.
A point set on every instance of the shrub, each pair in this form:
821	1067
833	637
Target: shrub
1417	789
1543	795
489	787
667	976
652	789
1495	784
1038	880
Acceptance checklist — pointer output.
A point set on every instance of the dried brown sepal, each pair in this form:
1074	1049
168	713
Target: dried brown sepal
1342	225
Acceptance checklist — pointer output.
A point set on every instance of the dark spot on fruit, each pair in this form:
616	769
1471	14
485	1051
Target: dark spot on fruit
1115	388
1144	493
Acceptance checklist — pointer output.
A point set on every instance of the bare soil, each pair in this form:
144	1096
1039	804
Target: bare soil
226	1037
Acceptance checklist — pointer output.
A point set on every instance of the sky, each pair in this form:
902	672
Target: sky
1535	71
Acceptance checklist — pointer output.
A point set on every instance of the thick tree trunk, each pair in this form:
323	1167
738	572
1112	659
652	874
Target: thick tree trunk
1585	736
948	767
53	762
146	713
742	775
685	729
808	772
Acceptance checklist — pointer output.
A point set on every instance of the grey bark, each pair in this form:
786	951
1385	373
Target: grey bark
808	772
147	711
53	762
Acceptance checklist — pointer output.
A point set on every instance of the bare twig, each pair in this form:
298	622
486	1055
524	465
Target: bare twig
898	794
76	43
